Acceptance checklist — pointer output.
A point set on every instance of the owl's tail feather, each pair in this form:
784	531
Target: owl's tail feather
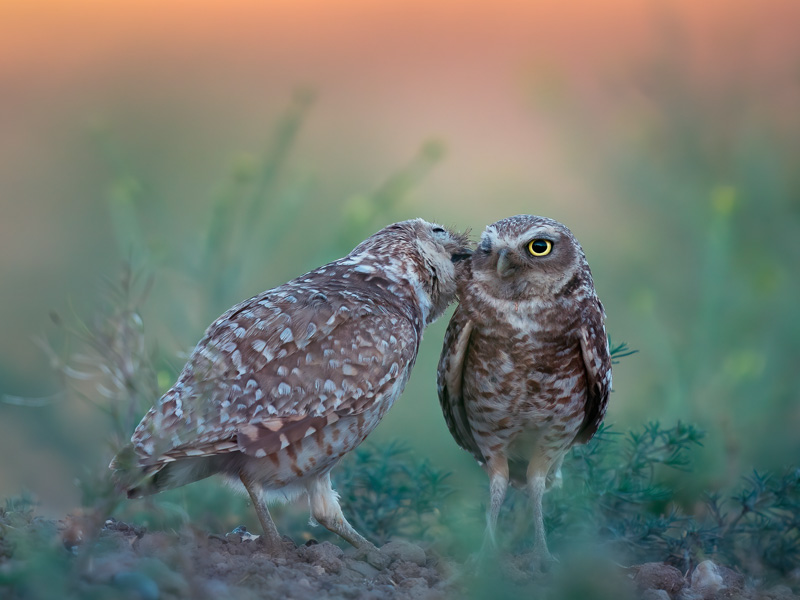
136	481
126	472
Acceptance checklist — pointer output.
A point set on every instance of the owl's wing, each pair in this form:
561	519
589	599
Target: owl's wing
597	362
275	368
366	362
450	376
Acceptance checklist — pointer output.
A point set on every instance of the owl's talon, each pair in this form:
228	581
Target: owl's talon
542	562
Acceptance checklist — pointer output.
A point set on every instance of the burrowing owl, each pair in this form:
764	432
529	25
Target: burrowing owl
284	384
525	371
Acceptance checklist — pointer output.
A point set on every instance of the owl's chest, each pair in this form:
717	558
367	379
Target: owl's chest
513	376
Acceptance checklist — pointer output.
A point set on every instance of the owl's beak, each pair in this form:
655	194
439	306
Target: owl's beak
505	266
462	254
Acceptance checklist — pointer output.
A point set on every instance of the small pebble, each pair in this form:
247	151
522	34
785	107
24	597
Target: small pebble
659	576
404	551
706	577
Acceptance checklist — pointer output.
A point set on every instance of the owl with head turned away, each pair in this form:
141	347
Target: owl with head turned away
525	371
284	384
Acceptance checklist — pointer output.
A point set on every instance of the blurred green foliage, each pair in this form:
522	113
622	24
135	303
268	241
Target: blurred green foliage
389	493
35	564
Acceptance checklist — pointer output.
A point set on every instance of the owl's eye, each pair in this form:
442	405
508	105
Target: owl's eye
540	247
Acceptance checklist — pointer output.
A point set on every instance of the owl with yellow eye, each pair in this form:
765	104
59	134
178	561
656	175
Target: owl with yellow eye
525	370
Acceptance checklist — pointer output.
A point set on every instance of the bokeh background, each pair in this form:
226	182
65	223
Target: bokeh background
225	147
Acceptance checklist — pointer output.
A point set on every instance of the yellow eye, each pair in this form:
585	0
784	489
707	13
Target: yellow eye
540	247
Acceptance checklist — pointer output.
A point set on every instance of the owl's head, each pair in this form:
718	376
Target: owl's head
526	257
420	254
441	249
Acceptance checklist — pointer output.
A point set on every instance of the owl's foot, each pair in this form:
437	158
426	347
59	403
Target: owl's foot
541	561
272	538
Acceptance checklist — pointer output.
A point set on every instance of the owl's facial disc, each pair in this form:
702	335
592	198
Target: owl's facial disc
506	265
514	257
525	263
510	261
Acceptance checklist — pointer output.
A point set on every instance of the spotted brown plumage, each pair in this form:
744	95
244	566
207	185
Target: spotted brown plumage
284	384
525	370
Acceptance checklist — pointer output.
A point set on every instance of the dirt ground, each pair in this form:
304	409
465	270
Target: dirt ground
237	565
131	563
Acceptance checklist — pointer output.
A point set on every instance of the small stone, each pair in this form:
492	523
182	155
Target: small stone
659	576
404	551
153	544
416	589
779	592
406	570
413	582
373	557
365	570
706	578
731	579
326	555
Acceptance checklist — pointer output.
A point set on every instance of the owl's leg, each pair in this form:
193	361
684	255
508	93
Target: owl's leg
537	485
554	477
497	468
324	504
274	541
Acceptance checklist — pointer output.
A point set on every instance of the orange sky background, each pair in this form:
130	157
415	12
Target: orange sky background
412	54
390	74
318	38
407	67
